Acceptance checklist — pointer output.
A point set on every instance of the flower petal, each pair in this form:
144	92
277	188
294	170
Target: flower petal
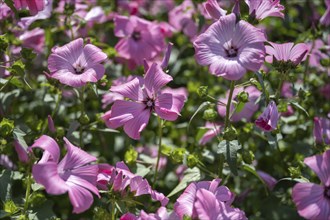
320	165
135	126
155	78
206	205
48	144
167	108
80	198
131	89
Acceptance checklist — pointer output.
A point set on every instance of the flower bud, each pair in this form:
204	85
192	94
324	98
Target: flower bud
243	97
202	91
294	172
267	121
177	155
6	127
248	156
230	134
210	114
192	160
131	155
83	119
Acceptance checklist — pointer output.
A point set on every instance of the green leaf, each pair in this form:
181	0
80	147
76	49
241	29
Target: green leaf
5	185
239	107
229	150
28	54
190	175
200	108
201	132
142	170
298	106
273	140
19	136
17	68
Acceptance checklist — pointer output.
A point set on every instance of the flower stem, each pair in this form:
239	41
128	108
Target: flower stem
160	134
28	191
278	91
232	87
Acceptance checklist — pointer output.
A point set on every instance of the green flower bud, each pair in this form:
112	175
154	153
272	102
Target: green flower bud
60	132
131	155
282	106
202	91
230	134
83	119
210	114
10	207
166	150
243	97
295	172
177	155
192	160
6	127
248	156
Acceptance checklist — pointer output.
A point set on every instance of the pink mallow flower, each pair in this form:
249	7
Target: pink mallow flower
286	52
267	121
161	214
260	9
75	64
230	48
74	174
249	108
207	200
34	39
213	9
313	200
213	129
321	130
119	178
268	179
325	19
146	97
140	39
33	5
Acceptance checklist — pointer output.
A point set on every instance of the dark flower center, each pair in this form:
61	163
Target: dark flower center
136	35
150	103
326	192
79	69
231	52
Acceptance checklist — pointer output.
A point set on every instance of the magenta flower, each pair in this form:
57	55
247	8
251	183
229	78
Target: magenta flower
261	9
230	48
286	52
140	39
249	108
313	200
190	202
267	121
22	152
146	97
33	5
75	64
213	9
321	130
325	19
213	130
34	39
25	22
73	174
268	179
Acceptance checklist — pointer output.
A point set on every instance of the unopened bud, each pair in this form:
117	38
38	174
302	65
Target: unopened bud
210	114
6	127
230	134
202	91
243	97
192	160
83	119
131	156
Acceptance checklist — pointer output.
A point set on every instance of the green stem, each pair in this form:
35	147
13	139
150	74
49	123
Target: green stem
232	87
160	134
278	91
113	210
28	191
6	83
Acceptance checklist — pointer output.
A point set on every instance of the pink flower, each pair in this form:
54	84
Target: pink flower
146	97
230	48
120	177
207	200
268	179
213	130
325	19
313	200
25	22
5	11
6	162
249	108
33	5
22	152
75	64
213	9
140	39
161	214
181	18
34	39
261	9
286	52
321	130
73	174
267	121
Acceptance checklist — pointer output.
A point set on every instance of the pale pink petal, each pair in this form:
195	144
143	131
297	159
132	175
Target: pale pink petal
252	57
80	198
47	175
35	6
214	10
185	203
135	126
123	26
48	144
320	165
268	179
93	55
164	107
298	53
70	51
140	186
206	205
155	78
131	89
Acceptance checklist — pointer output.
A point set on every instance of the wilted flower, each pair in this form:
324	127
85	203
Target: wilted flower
207	200
249	108
230	48
267	121
147	97
286	52
75	64
261	9
312	200
322	130
140	39
34	39
33	5
73	174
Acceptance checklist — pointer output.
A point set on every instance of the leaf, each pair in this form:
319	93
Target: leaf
142	170
17	68
201	132
229	150
273	140
239	107
5	185
299	180
190	175
200	108
298	106
19	136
